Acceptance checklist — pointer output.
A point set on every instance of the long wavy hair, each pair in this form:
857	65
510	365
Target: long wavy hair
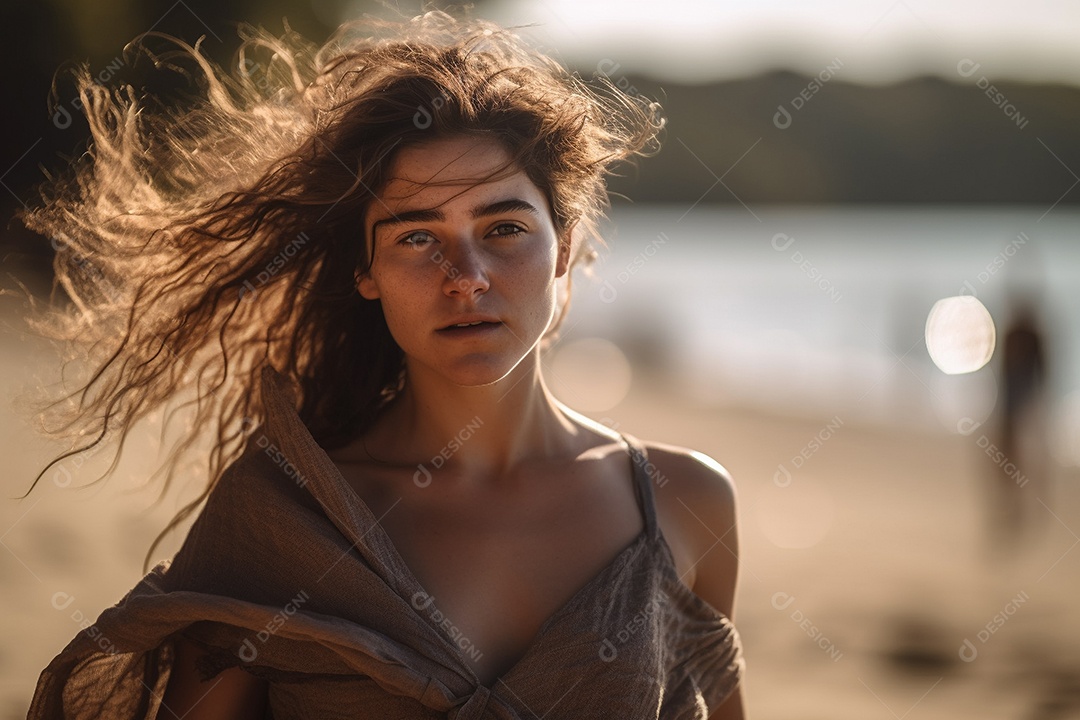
198	244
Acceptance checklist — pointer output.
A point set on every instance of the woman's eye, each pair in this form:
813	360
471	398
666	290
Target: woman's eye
416	240
508	229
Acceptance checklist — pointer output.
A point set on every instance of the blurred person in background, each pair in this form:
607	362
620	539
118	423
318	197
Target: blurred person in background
1020	472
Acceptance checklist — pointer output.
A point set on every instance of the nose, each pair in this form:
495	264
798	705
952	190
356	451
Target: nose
465	272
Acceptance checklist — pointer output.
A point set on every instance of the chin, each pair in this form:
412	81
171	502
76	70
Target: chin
478	373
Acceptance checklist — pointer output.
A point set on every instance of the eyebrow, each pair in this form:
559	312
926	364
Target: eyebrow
434	214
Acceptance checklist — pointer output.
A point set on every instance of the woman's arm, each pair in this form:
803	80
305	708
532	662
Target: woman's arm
718	569
707	500
232	694
712	525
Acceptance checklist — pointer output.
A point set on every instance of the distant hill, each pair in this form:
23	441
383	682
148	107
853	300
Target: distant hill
923	140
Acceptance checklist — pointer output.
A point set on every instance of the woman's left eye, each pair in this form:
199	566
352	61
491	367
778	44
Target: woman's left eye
508	229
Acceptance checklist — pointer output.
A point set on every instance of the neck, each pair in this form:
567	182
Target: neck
480	432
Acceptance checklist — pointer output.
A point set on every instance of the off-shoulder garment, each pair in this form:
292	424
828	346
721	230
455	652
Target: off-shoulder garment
287	574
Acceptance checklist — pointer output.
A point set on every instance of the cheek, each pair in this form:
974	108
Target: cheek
399	305
535	286
400	297
405	320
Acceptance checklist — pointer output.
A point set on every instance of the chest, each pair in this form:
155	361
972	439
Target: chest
496	566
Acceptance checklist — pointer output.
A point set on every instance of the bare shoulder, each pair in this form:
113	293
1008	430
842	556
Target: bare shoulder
696	501
696	507
691	473
696	475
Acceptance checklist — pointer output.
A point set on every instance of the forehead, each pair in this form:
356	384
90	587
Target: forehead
444	171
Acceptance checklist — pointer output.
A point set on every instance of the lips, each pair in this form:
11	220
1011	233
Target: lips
471	321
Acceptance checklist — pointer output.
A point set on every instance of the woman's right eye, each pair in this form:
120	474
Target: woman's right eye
416	240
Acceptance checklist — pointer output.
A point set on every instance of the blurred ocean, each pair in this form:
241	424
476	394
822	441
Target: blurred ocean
821	311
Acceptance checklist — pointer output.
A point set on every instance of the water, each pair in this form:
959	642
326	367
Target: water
820	310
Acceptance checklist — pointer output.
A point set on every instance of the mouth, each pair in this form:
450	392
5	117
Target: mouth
470	328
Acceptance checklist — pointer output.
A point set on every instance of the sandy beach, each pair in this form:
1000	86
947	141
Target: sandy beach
867	588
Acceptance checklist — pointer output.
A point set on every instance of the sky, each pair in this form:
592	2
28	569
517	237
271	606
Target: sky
876	41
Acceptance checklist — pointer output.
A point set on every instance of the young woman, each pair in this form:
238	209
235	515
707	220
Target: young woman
403	522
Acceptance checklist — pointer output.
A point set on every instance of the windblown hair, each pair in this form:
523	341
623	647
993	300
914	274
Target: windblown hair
198	244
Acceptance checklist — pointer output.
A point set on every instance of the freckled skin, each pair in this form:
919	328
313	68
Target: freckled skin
502	265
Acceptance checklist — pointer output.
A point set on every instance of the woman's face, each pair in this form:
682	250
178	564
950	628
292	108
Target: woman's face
463	251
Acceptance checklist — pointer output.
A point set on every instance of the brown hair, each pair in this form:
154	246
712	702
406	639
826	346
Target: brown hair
196	245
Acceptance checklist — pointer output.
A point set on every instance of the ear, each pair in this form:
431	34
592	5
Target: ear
366	286
562	262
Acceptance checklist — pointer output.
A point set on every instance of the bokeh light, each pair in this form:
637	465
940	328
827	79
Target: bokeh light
960	334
